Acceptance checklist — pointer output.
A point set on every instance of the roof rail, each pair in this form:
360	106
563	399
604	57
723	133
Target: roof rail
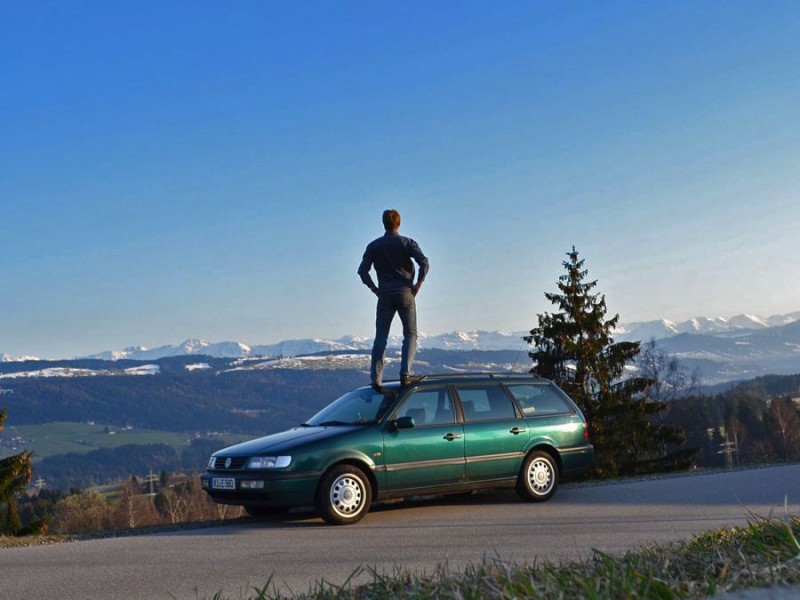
464	375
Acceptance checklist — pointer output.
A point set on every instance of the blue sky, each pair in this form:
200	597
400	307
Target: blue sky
215	169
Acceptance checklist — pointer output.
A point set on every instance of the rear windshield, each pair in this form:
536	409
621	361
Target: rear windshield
539	399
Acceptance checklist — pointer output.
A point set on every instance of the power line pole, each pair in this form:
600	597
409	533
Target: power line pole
151	479
728	449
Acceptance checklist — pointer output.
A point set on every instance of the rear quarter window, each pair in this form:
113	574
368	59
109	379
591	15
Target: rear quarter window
539	399
485	402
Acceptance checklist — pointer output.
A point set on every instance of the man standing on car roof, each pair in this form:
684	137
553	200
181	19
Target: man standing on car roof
391	256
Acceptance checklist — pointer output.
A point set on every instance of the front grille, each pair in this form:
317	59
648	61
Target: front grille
237	462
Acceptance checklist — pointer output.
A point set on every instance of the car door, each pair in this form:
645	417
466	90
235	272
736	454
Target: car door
495	434
429	454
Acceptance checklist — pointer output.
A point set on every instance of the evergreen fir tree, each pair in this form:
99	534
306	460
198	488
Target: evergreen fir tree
15	473
10	519
574	348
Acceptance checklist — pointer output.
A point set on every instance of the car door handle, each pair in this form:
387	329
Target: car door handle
517	430
452	436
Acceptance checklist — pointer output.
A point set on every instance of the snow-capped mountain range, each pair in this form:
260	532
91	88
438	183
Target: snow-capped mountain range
732	326
722	350
476	340
456	340
736	326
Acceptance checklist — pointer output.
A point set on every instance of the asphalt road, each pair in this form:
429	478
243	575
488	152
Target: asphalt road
302	550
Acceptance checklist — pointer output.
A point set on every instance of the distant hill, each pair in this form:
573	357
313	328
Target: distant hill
202	393
752	353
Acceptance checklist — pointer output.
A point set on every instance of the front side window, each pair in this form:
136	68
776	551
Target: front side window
538	400
428	407
483	403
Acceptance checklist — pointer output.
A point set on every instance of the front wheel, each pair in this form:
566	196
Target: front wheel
538	478
344	495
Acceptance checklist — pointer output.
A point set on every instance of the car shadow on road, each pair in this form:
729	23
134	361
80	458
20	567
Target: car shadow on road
308	517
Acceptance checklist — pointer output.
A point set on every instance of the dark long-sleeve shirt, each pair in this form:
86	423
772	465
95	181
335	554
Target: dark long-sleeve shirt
392	255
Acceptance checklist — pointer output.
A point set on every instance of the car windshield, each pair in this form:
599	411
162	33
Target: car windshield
359	407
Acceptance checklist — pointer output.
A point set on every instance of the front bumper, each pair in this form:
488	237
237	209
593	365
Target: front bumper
259	488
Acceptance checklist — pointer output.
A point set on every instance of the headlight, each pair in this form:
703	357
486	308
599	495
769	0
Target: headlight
211	462
269	462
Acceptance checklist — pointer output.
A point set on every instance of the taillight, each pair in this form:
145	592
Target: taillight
585	430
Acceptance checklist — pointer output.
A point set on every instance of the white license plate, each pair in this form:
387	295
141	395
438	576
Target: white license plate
223	483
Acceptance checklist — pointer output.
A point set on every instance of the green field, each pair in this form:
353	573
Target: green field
49	439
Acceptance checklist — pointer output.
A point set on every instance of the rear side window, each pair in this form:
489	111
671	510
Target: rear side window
483	403
538	400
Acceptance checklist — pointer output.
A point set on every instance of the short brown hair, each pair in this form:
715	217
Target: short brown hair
391	219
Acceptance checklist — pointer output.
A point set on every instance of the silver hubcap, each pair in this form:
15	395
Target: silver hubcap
347	495
540	476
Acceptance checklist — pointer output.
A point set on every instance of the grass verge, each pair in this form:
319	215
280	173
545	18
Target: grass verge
765	553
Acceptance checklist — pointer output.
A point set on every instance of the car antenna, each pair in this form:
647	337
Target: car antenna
516	358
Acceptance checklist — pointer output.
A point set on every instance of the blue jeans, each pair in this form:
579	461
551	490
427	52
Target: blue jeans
403	304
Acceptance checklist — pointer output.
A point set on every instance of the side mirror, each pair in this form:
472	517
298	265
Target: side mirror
404	423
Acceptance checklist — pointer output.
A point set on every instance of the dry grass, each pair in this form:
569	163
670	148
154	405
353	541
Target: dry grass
32	540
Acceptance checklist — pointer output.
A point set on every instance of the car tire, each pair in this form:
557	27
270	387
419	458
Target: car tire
344	495
538	478
265	511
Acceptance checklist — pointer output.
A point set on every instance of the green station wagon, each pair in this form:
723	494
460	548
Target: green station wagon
440	435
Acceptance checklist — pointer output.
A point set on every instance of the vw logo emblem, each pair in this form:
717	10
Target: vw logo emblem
228	463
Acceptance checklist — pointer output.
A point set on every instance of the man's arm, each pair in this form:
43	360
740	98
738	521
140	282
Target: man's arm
363	272
424	265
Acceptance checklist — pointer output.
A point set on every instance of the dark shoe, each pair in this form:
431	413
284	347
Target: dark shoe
407	380
377	387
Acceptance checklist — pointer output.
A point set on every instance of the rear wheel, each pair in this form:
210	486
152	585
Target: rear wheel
538	478
344	495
